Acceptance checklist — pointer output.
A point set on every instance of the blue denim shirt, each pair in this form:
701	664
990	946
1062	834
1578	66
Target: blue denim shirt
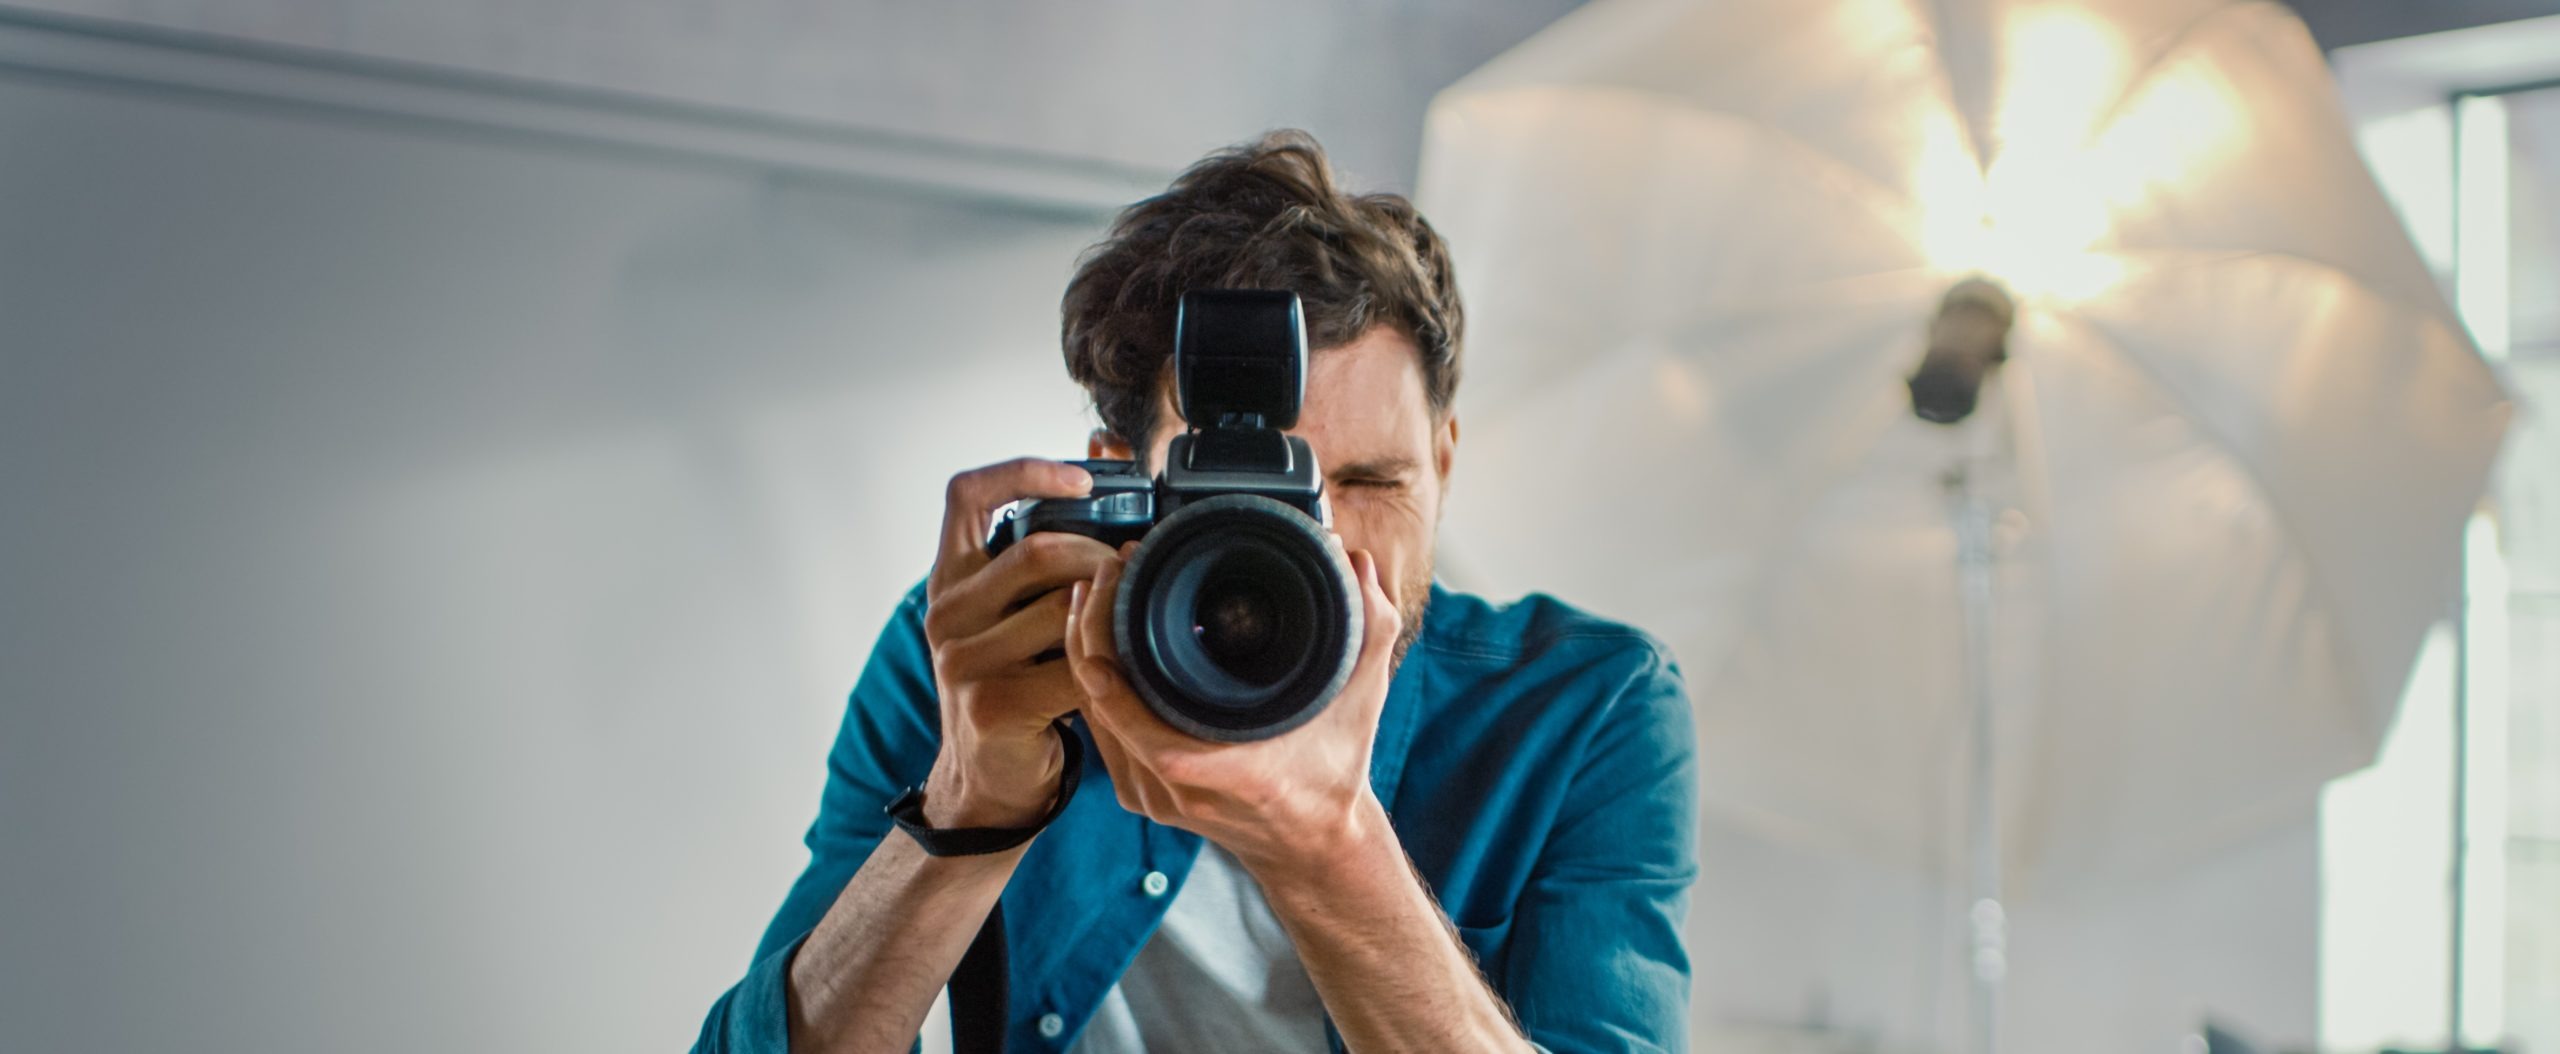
1537	763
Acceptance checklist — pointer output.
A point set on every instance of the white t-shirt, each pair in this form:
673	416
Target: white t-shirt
1218	975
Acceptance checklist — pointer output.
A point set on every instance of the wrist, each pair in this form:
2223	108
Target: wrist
1351	843
1008	784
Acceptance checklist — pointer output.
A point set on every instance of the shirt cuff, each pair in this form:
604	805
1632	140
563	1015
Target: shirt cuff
754	1017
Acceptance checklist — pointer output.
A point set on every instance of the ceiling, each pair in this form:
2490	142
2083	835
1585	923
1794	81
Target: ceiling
2340	23
1140	85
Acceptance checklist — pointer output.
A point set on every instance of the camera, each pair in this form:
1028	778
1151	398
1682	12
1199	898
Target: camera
1238	617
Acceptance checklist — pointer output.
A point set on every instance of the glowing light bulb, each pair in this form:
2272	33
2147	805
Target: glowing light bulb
2071	148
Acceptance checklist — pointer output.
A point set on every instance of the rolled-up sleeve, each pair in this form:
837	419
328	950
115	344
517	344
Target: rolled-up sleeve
1597	957
887	743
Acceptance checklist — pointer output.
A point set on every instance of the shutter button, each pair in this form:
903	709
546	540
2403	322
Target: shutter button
1154	883
1051	1025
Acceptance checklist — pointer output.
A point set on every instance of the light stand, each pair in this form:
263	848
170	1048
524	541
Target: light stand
1968	340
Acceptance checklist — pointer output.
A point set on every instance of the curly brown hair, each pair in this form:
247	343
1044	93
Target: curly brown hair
1261	215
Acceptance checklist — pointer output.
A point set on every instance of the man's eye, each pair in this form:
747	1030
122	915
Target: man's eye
1368	483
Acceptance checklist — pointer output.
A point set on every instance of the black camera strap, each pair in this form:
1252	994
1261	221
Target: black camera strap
978	991
978	995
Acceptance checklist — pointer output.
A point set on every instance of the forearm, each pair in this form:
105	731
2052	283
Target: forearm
1390	970
865	977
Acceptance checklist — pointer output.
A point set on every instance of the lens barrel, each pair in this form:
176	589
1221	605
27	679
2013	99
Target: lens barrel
1237	619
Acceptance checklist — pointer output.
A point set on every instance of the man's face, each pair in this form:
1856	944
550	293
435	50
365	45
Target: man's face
1385	457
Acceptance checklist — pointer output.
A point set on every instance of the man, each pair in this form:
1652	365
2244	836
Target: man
1483	844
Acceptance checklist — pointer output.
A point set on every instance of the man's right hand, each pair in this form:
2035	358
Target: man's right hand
996	628
865	976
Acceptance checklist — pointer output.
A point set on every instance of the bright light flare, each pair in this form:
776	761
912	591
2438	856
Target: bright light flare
2059	71
2174	129
2071	150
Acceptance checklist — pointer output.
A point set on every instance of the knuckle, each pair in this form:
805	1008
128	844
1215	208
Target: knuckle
1056	550
1043	548
955	659
961	487
1091	683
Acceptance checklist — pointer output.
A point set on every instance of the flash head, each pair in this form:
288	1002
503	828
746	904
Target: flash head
1240	352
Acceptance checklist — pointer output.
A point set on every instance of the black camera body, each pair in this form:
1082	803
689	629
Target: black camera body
1238	617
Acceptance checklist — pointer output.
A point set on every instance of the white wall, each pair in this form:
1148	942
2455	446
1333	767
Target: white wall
435	561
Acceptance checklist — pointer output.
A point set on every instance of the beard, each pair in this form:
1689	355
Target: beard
1413	602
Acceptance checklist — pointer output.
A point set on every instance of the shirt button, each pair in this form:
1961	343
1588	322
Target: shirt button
1154	883
1051	1025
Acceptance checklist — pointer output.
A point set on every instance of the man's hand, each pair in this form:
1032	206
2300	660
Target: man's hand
1297	812
995	627
1280	804
866	974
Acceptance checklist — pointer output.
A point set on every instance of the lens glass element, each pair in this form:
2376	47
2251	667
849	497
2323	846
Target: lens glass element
1253	613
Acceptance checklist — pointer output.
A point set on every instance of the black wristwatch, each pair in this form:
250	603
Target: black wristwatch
907	811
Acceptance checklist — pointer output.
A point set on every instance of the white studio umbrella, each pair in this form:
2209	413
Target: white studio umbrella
2221	478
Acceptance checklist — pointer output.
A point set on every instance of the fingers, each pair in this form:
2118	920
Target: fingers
1042	564
1380	625
1110	702
1108	698
1090	653
1139	789
1380	622
973	495
1093	621
1010	645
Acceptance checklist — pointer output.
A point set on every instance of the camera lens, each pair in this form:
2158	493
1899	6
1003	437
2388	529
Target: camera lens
1251	612
1236	620
1236	624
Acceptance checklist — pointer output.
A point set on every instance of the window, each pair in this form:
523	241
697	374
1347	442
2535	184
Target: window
2424	932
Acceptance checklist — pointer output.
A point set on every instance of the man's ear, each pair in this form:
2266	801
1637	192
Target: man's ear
1100	443
1444	446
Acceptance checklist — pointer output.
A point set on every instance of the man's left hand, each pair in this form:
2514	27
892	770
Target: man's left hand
1283	805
